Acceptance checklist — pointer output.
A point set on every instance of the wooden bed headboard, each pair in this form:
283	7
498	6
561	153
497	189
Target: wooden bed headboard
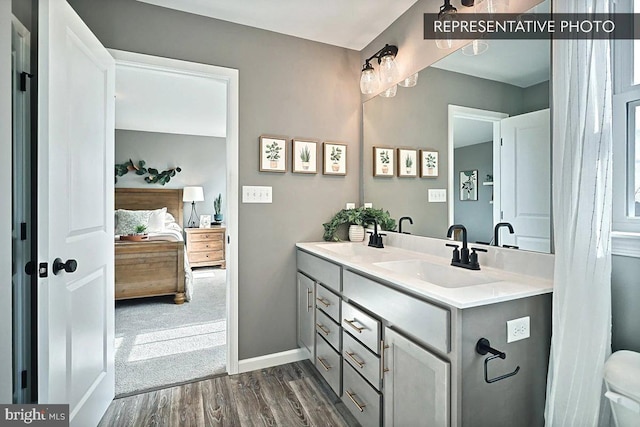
150	198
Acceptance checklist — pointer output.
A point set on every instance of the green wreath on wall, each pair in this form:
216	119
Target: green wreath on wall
154	176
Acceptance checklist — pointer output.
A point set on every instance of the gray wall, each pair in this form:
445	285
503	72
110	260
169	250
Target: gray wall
288	86
477	216
536	97
22	10
625	303
417	117
202	160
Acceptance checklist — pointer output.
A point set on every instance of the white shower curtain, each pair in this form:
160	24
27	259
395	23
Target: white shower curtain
581	340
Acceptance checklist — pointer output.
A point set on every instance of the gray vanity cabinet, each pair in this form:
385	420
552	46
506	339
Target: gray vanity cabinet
306	313
416	384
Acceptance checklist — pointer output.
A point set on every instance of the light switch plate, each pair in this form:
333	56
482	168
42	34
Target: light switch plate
368	205
351	206
437	195
256	194
518	329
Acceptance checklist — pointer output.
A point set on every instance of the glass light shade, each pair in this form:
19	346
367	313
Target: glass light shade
410	81
476	47
388	70
192	194
492	6
444	40
369	82
390	93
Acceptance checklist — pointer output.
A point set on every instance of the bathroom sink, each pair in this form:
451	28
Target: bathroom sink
439	275
349	249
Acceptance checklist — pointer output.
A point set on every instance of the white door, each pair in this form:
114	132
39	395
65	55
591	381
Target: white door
525	181
75	198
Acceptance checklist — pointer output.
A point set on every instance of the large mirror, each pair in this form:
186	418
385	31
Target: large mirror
485	121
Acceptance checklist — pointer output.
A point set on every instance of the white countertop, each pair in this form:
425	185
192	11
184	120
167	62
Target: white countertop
507	285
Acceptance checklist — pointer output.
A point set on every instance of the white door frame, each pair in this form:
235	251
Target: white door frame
6	333
231	77
456	111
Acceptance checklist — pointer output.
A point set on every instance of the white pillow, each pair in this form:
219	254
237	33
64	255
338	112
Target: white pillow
168	219
156	220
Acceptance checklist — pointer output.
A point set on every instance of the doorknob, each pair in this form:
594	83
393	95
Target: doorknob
70	266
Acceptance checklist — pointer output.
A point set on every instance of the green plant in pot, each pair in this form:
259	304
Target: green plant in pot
217	207
140	230
305	157
357	219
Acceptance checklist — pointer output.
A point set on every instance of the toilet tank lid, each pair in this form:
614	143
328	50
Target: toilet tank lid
622	373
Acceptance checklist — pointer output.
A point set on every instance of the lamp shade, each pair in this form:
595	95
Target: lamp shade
192	194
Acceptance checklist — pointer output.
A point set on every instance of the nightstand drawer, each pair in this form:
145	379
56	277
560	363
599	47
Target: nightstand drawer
208	235
206	246
195	257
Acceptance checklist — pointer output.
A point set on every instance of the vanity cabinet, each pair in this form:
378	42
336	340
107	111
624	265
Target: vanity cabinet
397	358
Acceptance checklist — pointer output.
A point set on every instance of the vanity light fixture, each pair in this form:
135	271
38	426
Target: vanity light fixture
446	13
410	81
475	48
193	195
369	79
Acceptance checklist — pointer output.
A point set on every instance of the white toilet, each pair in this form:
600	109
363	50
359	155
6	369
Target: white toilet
622	377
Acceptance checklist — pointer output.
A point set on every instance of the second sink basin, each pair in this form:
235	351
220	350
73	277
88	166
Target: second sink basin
439	275
350	249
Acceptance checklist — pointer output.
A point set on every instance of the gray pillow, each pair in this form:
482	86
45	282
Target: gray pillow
128	220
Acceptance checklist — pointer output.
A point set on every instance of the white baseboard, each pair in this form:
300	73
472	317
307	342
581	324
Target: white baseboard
625	244
274	359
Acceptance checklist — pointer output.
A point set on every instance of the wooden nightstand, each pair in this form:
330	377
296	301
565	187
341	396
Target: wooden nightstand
205	246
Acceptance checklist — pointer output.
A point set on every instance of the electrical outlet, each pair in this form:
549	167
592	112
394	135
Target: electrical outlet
368	205
518	329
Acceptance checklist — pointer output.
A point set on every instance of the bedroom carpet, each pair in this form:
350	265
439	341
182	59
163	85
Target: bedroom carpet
159	343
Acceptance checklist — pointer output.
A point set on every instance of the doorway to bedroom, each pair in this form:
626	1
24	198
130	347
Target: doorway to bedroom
174	215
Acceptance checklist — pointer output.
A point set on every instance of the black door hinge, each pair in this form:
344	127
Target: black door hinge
228	239
23	380
43	270
23	231
23	80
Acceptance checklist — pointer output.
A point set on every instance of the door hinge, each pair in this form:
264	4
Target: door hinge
23	80
501	142
23	231
43	270
228	240
23	380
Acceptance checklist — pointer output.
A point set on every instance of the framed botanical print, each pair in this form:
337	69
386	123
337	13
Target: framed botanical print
429	163
383	161
407	164
469	185
304	155
273	153
335	159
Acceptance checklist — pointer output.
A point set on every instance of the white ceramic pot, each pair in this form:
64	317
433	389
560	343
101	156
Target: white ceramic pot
356	233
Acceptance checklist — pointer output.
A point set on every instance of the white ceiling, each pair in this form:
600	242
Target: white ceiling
469	132
347	23
154	100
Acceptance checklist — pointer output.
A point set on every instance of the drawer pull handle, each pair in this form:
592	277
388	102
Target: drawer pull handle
321	360
324	301
357	362
357	328
323	329
352	396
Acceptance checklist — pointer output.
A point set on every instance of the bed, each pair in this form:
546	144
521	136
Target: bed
157	266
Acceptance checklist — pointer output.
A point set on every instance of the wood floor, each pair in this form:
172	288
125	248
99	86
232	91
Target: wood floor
287	395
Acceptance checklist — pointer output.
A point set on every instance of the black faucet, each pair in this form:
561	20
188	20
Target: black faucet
400	223
496	231
462	258
375	240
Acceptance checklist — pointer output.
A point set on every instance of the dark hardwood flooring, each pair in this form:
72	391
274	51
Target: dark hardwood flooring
287	395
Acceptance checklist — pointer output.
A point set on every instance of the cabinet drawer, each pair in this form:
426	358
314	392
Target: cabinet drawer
195	257
328	302
322	271
328	329
206	245
423	321
362	360
328	364
361	399
365	328
198	237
